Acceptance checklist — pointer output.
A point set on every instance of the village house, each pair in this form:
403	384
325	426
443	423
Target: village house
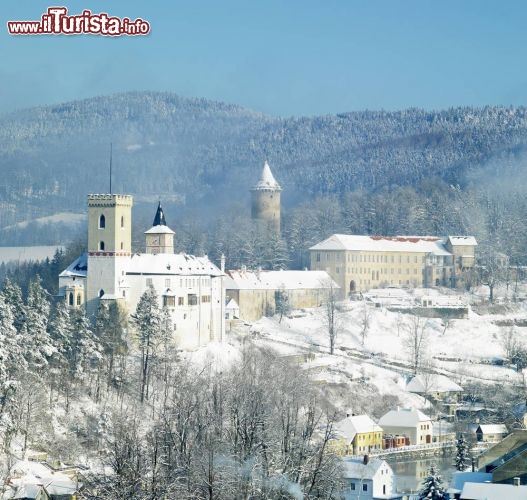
359	263
257	293
491	433
368	479
435	387
356	434
408	422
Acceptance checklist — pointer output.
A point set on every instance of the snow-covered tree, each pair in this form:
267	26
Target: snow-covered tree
148	322
462	458
432	486
37	341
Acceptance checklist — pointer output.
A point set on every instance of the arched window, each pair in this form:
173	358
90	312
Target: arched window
78	300
70	299
101	245
101	293
122	220
102	222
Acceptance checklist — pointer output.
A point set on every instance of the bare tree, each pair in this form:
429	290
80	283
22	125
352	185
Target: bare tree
331	313
365	322
416	341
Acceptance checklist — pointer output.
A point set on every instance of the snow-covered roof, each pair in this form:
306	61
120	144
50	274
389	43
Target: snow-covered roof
494	491
419	244
432	383
463	240
493	428
170	265
405	417
78	267
356	424
459	478
267	180
232	304
274	280
159	230
62	487
355	468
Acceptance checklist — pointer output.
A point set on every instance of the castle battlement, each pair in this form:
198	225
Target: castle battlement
109	200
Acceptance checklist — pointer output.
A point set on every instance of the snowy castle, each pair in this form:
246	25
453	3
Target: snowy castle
190	287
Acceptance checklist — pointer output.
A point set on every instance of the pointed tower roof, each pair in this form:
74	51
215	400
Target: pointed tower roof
159	219
267	180
159	226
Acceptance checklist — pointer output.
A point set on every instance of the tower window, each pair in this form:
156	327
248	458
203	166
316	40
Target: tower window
78	300
122	220
101	245
102	222
122	245
70	299
101	293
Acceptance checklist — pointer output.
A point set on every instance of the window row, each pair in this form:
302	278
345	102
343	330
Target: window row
102	221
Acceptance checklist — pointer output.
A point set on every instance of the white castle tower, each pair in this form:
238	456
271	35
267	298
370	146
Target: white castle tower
159	238
265	200
109	246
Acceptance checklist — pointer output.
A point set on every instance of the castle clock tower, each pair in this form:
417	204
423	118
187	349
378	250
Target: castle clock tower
109	246
159	238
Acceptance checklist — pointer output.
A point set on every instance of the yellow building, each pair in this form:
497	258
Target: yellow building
356	435
360	263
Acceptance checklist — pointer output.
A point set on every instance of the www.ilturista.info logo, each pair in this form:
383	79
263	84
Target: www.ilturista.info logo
57	22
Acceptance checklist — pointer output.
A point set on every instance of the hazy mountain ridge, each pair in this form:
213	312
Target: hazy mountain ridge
195	149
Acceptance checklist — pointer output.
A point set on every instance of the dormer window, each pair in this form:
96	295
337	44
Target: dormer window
102	222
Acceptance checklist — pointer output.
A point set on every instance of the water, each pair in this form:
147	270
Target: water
409	474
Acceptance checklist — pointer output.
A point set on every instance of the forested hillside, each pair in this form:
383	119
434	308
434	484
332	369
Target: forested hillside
374	171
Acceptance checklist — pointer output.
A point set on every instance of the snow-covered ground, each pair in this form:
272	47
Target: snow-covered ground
462	349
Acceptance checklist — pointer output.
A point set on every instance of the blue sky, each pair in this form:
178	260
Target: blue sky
283	57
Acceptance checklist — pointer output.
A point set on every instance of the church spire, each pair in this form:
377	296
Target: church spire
159	219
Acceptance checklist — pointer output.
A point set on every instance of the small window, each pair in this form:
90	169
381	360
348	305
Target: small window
70	299
101	245
78	300
169	301
181	301
192	300
167	282
122	245
122	220
352	486
124	293
102	222
364	487
101	293
149	282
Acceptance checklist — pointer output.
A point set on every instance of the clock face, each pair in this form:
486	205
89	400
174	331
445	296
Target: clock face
155	240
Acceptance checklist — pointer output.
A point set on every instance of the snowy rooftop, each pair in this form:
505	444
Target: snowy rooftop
492	491
78	267
356	424
159	230
356	468
171	264
463	240
405	417
274	280
432	383
493	428
418	244
267	180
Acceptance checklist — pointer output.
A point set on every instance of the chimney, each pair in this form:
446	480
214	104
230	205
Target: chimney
366	459
516	481
222	263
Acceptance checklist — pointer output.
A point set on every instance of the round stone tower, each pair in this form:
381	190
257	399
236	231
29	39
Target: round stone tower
265	200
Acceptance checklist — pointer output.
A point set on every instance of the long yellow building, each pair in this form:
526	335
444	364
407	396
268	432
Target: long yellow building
358	262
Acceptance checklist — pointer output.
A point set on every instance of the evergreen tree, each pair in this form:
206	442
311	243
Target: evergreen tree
462	460
37	341
13	297
432	486
148	321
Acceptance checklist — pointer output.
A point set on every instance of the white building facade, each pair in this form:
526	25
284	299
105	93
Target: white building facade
189	287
